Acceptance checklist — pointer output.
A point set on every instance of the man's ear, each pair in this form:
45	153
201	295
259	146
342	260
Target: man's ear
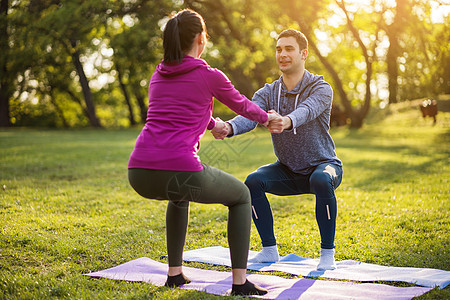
304	54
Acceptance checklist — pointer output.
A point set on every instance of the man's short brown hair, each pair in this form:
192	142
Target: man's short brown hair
299	37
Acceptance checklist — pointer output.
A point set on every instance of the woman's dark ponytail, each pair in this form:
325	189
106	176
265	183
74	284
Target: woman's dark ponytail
179	34
171	42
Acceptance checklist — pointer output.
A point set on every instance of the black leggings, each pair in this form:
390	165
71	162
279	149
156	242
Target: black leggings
210	185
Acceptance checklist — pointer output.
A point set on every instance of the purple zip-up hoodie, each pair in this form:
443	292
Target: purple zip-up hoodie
179	112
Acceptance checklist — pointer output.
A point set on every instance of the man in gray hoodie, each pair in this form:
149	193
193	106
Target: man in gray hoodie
307	162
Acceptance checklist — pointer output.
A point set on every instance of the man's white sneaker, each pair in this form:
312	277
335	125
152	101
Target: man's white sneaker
267	254
326	260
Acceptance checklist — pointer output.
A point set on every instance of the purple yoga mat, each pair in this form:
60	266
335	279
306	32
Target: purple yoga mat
219	283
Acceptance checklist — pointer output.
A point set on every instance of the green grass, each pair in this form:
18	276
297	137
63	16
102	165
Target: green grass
66	207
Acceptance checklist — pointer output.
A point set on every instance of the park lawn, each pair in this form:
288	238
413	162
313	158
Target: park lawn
66	207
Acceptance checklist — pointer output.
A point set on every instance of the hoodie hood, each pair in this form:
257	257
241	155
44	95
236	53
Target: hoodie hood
309	80
187	65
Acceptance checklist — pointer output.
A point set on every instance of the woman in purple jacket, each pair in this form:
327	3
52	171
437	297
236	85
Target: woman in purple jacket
164	164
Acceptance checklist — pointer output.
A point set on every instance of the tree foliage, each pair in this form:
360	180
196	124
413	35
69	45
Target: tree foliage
71	63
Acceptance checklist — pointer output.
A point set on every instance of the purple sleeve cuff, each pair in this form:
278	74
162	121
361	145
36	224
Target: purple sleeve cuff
211	124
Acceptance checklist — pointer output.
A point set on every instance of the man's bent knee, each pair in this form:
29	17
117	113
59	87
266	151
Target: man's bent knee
321	181
253	181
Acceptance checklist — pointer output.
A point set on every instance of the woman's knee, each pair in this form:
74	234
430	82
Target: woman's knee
239	198
244	195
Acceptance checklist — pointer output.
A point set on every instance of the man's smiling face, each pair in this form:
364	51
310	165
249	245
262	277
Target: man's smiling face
290	58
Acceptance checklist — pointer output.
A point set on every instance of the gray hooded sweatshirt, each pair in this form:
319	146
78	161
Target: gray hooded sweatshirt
308	144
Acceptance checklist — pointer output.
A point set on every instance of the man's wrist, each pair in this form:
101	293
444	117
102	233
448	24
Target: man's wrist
287	123
230	129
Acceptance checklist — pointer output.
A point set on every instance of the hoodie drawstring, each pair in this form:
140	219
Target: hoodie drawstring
295	105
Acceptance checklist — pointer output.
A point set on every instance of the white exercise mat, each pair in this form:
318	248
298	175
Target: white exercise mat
346	269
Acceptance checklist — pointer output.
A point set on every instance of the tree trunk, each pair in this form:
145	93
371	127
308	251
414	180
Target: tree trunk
77	100
337	81
4	109
392	67
4	86
393	32
125	95
86	89
357	119
58	109
142	107
364	111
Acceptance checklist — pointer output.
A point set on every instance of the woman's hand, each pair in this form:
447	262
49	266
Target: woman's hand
277	123
221	130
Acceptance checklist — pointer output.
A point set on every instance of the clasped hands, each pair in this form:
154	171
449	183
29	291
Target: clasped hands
275	123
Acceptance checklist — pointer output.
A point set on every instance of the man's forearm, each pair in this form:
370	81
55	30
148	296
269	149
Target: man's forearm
241	125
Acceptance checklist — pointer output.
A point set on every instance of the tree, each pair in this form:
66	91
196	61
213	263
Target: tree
137	45
92	115
425	55
439	67
5	90
65	61
394	31
58	35
242	45
358	116
307	21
